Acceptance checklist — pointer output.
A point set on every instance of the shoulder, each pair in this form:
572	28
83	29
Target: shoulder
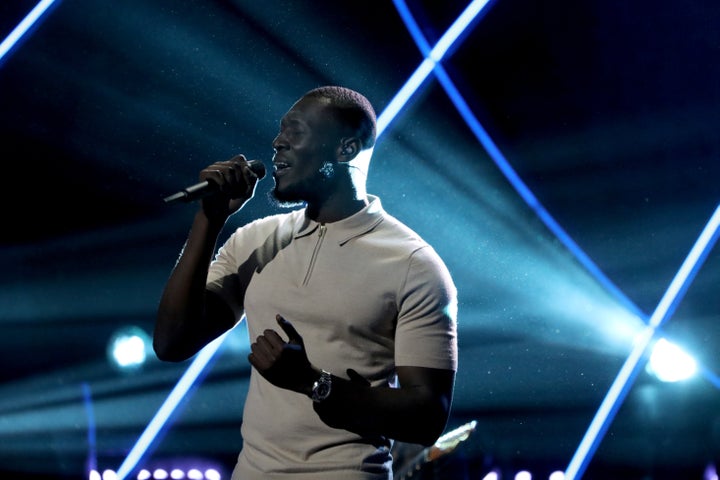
268	230
263	225
396	228
423	259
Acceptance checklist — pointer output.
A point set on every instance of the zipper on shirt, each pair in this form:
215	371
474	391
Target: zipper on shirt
321	235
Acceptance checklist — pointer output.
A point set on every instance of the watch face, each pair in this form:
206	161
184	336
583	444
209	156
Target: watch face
321	388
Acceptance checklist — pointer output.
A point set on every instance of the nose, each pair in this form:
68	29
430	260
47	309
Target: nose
277	143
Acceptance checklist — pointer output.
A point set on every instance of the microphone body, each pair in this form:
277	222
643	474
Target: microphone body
203	189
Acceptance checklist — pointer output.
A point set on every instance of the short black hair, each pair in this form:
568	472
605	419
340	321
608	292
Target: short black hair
353	108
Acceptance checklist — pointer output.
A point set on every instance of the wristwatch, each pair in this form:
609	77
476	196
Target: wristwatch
322	387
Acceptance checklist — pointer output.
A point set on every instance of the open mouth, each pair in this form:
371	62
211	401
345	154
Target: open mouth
280	167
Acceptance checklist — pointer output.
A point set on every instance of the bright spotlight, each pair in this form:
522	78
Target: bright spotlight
160	474
670	363
212	474
195	474
557	475
128	348
710	472
109	475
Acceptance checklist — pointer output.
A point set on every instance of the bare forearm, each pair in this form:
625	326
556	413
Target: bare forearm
416	414
180	318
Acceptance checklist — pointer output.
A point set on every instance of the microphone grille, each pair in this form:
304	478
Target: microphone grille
258	168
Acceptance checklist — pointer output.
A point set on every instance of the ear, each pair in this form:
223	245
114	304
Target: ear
349	147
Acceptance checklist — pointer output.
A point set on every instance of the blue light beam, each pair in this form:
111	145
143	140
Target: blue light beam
91	462
497	156
186	382
432	57
623	382
23	27
670	300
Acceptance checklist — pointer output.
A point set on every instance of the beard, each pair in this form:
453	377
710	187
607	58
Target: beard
279	199
298	193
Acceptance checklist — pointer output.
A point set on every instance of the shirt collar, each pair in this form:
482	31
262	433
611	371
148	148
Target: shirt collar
348	228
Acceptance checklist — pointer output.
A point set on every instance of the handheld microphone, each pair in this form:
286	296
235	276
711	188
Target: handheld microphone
203	189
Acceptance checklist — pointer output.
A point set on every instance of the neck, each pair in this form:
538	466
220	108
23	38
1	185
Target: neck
337	206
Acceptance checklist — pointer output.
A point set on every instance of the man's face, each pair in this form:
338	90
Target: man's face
308	137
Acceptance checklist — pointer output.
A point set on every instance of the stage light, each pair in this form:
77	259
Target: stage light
212	474
557	475
160	474
669	363
710	473
128	348
523	475
109	475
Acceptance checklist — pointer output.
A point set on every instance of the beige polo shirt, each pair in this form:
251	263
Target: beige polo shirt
365	293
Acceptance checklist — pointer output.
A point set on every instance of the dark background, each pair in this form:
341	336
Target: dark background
606	111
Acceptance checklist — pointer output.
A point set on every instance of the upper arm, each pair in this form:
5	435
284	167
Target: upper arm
433	389
435	382
183	338
219	316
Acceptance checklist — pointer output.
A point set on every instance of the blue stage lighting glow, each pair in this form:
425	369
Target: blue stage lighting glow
457	29
621	386
23	27
710	376
91	463
447	41
168	407
402	97
669	363
667	304
495	154
128	348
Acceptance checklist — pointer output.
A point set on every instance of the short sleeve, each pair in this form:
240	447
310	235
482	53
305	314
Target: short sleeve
426	333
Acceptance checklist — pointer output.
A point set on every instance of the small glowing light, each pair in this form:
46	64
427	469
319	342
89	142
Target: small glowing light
557	475
143	474
94	475
491	476
177	474
670	363
523	475
160	474
710	473
109	475
212	474
195	474
128	348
